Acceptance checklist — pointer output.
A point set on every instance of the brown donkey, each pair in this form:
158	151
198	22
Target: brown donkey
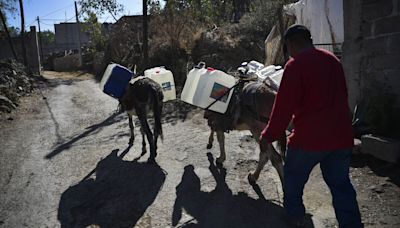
250	111
141	95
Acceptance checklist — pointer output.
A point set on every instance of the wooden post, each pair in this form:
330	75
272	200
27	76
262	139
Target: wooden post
21	7
79	34
145	36
40	41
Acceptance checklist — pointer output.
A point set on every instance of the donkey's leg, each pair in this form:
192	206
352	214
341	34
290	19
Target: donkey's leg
277	162
277	156
210	140
263	159
150	138
157	122
157	131
131	127
144	151
221	142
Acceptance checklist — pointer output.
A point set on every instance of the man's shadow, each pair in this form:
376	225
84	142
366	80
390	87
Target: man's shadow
117	197
222	208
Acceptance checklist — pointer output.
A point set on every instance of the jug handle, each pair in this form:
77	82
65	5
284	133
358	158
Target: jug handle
200	65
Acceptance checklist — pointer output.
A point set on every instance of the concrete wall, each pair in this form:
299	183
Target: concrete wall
32	50
371	54
66	36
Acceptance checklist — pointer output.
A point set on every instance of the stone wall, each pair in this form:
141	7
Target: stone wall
371	58
32	50
67	63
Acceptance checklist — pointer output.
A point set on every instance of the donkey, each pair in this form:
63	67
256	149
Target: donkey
141	95
249	110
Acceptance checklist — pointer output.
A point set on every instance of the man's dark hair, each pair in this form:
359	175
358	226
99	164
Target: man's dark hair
298	34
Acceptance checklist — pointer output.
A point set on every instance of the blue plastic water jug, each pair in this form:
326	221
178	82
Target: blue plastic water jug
115	79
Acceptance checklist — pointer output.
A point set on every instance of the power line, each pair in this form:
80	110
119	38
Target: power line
52	19
33	22
70	19
46	23
55	11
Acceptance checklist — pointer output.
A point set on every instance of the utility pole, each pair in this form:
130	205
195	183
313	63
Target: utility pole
79	34
21	8
145	36
40	41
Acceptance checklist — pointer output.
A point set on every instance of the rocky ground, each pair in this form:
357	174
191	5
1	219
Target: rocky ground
65	162
15	82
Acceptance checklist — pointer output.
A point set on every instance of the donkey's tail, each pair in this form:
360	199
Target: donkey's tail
157	111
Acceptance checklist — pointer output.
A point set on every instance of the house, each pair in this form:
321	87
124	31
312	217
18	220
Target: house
67	36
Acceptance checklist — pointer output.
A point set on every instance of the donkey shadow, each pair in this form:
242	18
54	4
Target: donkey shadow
222	208
117	197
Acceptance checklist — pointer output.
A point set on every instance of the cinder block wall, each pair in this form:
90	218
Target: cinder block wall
371	58
32	50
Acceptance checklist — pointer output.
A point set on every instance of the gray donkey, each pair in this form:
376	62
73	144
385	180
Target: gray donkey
249	110
141	95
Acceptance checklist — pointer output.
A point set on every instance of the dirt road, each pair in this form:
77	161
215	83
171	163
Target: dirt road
65	163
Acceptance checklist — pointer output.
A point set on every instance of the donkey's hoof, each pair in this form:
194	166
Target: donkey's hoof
220	161
209	146
252	180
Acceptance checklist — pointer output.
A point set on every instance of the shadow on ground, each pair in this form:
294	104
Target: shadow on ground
177	110
221	208
117	197
174	111
379	167
115	117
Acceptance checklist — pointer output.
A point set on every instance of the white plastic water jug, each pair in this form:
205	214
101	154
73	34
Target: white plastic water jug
165	78
204	86
255	66
263	73
192	80
275	79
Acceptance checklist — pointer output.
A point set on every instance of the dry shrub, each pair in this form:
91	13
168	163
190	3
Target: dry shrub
172	37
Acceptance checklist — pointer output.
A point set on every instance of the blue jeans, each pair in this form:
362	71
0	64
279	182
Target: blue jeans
335	171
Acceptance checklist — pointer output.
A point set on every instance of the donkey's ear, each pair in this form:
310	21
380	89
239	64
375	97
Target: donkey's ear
134	70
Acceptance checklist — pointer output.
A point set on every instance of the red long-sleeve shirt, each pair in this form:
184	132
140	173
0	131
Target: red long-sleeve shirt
313	93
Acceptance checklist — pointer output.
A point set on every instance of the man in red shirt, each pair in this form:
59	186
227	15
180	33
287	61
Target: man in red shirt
313	95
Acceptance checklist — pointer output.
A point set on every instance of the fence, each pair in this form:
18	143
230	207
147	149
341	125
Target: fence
335	48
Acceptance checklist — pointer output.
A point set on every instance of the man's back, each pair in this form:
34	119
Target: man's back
321	117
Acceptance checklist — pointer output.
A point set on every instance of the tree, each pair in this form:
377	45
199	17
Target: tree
7	5
21	8
99	7
47	37
240	7
93	28
145	35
